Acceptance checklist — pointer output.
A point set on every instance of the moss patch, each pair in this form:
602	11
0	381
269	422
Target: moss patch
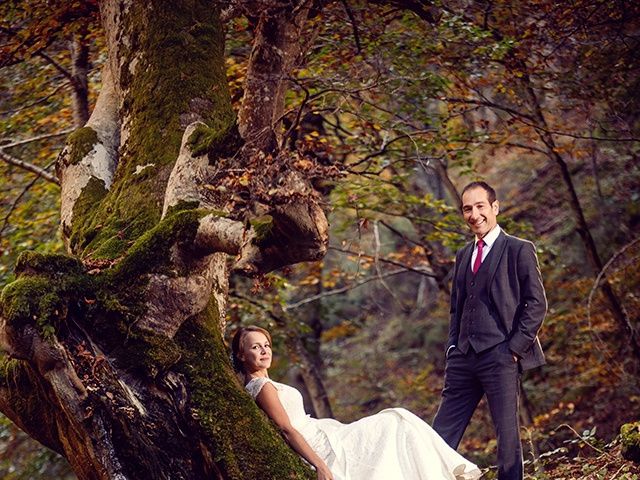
91	195
146	352
221	141
630	441
80	143
34	263
41	294
152	251
262	226
20	300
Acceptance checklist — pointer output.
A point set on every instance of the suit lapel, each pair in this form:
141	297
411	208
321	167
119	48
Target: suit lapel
465	262
496	254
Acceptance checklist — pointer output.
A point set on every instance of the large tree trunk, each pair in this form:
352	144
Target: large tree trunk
115	352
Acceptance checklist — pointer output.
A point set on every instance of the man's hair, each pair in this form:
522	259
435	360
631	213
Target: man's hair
491	193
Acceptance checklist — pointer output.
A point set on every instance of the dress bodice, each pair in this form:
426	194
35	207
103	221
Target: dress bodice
290	398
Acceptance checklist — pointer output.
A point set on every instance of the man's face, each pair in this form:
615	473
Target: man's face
479	214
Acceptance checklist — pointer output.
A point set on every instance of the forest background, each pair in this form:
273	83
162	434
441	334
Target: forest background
392	108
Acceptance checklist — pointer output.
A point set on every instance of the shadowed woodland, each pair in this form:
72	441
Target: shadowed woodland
170	171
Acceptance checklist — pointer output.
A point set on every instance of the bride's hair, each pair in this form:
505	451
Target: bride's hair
236	344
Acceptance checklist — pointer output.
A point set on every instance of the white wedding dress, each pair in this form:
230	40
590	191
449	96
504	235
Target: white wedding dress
393	444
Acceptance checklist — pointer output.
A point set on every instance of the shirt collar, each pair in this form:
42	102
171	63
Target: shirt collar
490	237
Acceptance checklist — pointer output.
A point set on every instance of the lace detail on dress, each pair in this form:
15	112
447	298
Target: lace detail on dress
255	385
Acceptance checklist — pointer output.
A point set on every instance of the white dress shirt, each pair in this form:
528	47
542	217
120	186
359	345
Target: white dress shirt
489	239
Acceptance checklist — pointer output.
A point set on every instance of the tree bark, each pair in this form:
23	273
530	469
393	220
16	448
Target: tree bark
115	354
276	48
80	80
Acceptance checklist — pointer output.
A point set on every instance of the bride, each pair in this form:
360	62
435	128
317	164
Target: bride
392	444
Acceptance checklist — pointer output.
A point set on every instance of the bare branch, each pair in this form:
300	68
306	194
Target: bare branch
376	237
5	221
426	273
56	65
36	102
35	139
402	235
596	284
523	146
489	104
354	25
338	291
39	171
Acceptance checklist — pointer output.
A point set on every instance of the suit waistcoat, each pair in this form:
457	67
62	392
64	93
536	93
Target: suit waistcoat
480	326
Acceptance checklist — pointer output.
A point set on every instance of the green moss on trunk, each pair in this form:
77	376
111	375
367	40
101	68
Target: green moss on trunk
82	231
630	441
41	294
33	263
177	77
245	444
151	251
80	143
220	141
262	226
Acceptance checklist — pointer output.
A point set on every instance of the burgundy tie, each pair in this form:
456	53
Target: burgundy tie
476	264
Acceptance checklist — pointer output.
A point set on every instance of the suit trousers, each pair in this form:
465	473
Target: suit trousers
468	377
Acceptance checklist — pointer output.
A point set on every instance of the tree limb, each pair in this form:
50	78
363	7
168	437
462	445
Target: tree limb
338	291
37	138
5	221
39	171
409	268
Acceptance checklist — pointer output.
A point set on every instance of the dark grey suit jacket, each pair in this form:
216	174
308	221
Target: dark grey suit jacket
516	293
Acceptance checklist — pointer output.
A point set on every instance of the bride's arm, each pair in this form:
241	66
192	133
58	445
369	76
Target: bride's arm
268	401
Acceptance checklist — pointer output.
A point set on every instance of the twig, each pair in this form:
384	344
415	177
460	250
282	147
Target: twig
583	439
386	260
16	201
523	117
595	286
487	103
35	102
40	172
36	138
354	25
402	235
338	291
376	262
296	122
280	321
57	66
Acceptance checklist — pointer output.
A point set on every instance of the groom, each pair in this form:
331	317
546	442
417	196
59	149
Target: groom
497	307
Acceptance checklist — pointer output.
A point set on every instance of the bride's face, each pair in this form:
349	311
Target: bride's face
255	352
